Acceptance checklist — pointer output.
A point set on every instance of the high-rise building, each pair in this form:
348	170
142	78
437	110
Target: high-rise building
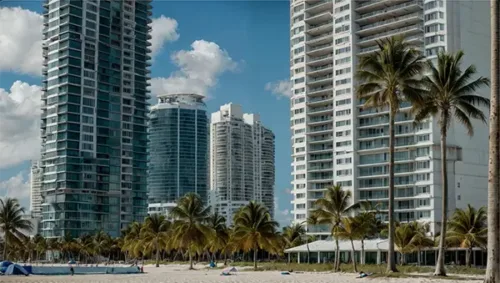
241	161
35	185
178	150
94	115
337	141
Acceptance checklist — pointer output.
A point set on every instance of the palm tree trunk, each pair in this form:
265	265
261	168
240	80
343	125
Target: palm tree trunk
5	243
308	252
337	255
468	253
255	258
362	256
190	259
419	261
157	254
391	263
440	271
353	256
492	267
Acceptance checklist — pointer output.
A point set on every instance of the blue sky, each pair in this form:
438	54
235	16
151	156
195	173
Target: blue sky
241	55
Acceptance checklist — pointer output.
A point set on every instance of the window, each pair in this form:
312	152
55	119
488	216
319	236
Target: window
344	161
423	190
344	143
343	61
298	19
345	172
423	138
343	112
299	70
87	146
424	202
87	129
87	119
434	28
300	110
343	133
300	195
343	28
300	158
342	50
300	167
343	102
299	90
299	131
298	50
300	186
299	80
342	19
343	123
298	60
343	71
300	206
300	149
343	91
300	176
297	30
342	40
299	140
343	81
297	40
300	216
299	121
342	9
88	138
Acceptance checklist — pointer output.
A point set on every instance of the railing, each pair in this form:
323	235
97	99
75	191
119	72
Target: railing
322	98
387	33
323	35
321	78
385	22
311	27
396	7
312	90
321	46
313	59
317	4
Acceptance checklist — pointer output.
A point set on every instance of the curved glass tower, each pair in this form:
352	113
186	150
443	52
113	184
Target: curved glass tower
178	149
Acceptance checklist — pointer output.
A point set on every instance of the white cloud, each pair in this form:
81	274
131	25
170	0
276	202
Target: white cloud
199	67
20	41
280	88
17	187
283	216
163	30
20	123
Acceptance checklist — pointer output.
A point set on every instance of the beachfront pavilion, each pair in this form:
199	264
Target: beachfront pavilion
323	251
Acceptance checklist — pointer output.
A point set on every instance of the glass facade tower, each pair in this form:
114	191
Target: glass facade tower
94	119
178	136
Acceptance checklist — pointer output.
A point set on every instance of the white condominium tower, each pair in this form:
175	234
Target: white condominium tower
241	161
336	141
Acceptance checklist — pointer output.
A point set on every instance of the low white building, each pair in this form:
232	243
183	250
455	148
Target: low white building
375	251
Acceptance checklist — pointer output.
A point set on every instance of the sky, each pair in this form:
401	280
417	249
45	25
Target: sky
229	51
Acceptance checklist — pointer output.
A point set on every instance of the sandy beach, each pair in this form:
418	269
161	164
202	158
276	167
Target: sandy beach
180	274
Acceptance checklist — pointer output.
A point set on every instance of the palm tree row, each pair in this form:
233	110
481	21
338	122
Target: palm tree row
398	73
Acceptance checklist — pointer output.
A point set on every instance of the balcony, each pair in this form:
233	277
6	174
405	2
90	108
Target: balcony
324	89
320	39
409	30
319	80
390	12
372	5
320	18
320	28
319	6
319	70
320	129
392	24
321	110
322	100
320	50
320	121
320	139
320	60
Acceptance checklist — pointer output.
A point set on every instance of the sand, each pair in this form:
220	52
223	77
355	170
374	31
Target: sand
180	274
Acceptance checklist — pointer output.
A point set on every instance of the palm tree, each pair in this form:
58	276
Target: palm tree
330	210
190	231
420	240
467	229
12	223
254	229
220	238
350	229
132	240
155	234
371	225
101	243
410	237
451	94
389	77
294	235
493	262
40	245
311	220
